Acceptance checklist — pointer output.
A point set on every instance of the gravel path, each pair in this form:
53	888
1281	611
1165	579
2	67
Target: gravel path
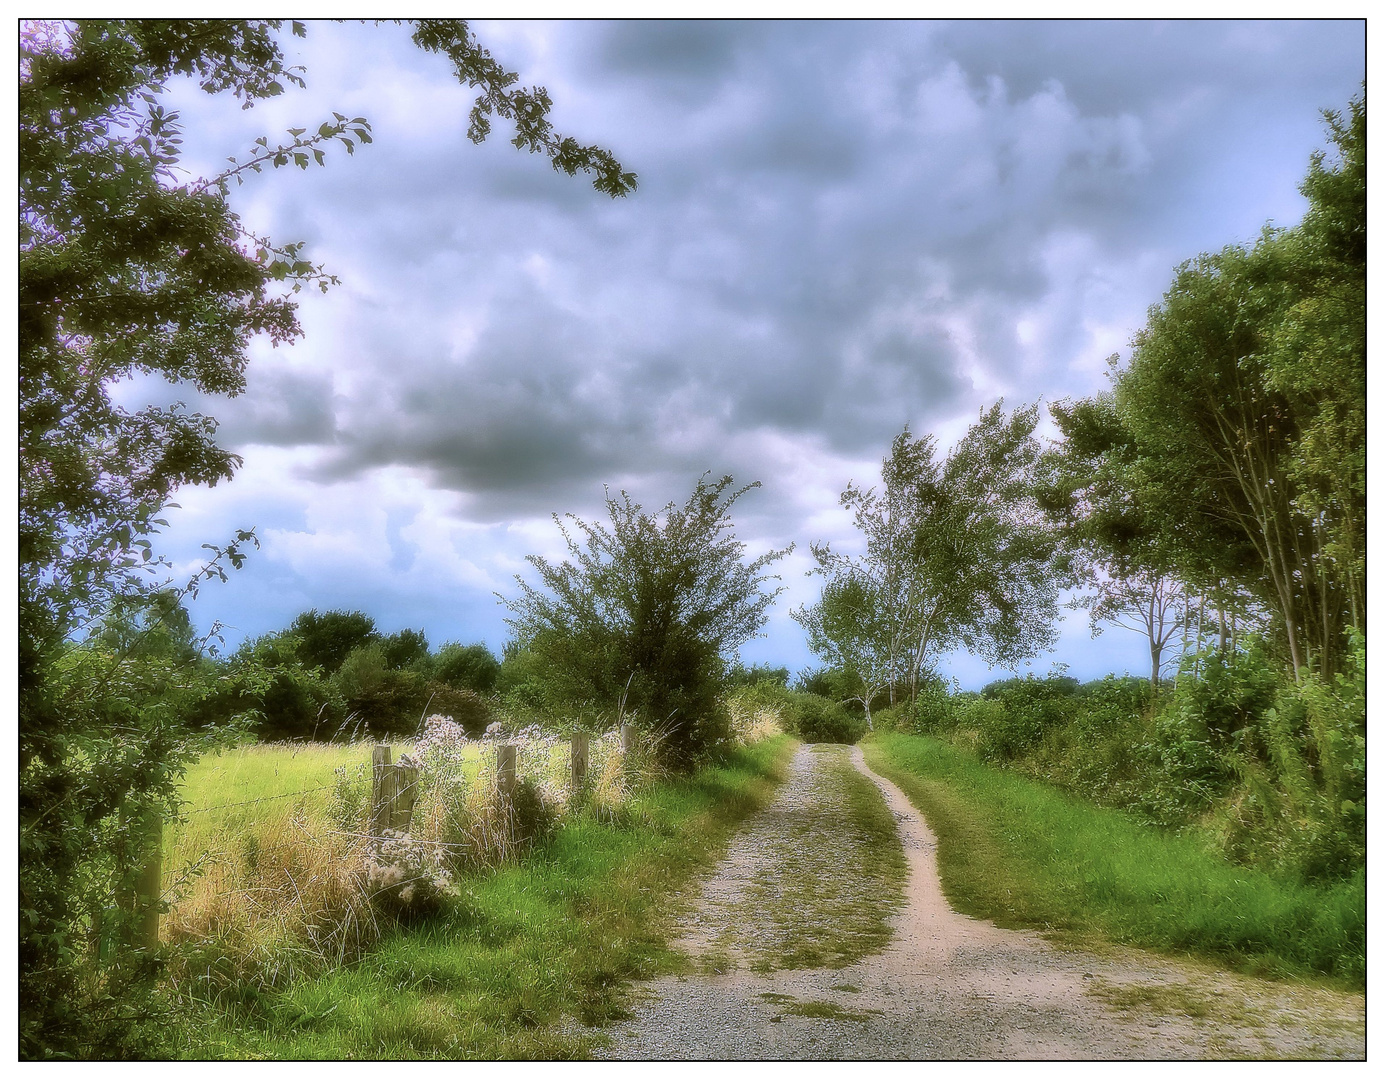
948	986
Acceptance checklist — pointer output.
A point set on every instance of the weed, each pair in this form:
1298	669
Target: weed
827	1010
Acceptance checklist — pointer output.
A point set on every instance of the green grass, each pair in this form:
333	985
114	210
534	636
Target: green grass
1025	855
237	792
524	952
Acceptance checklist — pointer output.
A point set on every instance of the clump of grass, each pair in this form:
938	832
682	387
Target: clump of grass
1024	854
263	885
826	1010
1165	999
753	721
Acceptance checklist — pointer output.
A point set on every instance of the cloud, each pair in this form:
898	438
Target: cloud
840	228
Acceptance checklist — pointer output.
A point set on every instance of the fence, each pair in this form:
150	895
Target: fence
394	785
394	792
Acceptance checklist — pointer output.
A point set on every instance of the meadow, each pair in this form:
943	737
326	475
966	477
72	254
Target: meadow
511	956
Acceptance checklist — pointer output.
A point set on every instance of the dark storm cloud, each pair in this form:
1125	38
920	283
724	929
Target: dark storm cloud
838	229
676	50
280	408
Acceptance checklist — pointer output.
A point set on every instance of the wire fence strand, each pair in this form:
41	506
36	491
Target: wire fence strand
267	798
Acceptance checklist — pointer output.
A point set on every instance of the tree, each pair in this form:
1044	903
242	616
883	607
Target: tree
405	649
645	611
1110	526
957	553
127	266
467	667
848	630
325	640
1244	400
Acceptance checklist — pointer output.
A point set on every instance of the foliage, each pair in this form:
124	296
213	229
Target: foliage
810	716
129	268
467	667
816	720
324	640
957	553
1270	772
642	614
740	675
1230	452
406	650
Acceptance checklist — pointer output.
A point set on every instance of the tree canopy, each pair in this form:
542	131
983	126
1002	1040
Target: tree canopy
1230	451
956	552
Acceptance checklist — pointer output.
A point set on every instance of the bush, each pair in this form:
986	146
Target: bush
1010	717
467	667
466	707
383	701
934	711
815	719
641	614
808	716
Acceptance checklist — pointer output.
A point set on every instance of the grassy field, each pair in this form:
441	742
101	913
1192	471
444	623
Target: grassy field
251	789
517	956
1025	855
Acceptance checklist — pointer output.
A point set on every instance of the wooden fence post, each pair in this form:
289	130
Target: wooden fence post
149	884
405	795
382	790
505	786
579	759
627	738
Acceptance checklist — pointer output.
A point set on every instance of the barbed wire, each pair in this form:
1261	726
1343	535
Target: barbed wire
267	798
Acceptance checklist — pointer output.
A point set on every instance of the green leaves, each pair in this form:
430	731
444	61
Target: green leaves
957	552
526	107
645	608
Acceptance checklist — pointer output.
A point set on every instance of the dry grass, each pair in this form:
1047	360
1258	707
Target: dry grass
751	724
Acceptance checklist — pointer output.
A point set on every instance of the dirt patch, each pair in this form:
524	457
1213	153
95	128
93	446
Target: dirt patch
951	987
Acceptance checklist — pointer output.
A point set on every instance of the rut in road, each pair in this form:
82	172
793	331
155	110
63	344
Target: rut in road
783	969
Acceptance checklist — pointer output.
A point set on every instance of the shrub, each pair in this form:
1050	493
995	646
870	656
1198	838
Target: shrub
642	612
934	710
467	667
466	707
816	719
405	879
385	701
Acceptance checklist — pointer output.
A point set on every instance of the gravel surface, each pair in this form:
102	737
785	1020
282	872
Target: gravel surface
948	986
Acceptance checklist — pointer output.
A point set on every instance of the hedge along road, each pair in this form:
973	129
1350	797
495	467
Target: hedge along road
822	936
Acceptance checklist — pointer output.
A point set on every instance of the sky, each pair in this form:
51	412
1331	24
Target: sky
840	228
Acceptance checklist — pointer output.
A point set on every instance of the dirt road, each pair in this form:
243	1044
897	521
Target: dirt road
948	986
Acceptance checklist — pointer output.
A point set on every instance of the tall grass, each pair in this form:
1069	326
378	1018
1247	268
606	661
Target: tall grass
521	951
1024	854
272	875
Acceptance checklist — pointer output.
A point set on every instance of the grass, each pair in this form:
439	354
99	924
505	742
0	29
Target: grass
522	953
827	1010
1025	855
